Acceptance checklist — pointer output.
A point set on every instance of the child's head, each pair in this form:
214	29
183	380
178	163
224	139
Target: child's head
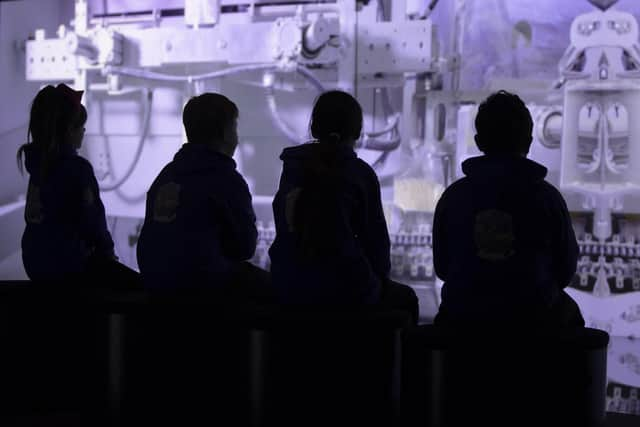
56	121
336	117
503	125
212	119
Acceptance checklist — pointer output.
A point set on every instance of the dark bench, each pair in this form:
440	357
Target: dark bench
330	367
53	351
138	358
512	377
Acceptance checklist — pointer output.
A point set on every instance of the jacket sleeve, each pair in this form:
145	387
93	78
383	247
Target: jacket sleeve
92	221
439	239
239	233
375	238
565	246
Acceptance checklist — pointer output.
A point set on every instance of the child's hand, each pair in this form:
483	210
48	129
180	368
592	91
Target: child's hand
109	255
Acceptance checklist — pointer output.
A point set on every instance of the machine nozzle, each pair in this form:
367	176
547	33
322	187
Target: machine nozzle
603	4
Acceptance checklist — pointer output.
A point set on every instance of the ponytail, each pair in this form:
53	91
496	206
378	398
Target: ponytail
318	221
320	214
334	137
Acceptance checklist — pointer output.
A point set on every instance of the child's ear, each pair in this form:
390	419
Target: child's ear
69	132
228	132
529	142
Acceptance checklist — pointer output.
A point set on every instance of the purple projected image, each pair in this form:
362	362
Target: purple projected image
419	69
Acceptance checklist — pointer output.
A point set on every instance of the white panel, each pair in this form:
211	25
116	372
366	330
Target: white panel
18	20
48	60
617	314
394	47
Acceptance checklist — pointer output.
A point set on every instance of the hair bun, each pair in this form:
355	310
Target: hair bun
334	136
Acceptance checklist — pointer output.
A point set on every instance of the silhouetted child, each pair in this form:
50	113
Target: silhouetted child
332	244
199	226
502	237
66	237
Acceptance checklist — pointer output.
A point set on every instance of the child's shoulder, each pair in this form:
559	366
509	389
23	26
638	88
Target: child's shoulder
363	168
548	192
460	184
78	165
543	190
237	181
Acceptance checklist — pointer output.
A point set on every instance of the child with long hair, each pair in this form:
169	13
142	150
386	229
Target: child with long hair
332	244
66	237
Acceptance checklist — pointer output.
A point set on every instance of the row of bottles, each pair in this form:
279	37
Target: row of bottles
411	254
623	399
603	268
617	245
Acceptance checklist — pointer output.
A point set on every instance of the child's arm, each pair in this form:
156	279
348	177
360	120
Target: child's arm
239	234
375	239
92	221
439	239
565	246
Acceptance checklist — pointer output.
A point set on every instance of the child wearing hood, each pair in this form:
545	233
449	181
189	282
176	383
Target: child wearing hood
200	227
332	245
66	236
503	242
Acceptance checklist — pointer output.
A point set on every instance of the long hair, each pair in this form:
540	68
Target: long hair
320	209
320	221
54	111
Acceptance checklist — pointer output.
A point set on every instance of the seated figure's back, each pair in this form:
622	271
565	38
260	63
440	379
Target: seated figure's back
65	218
199	219
503	240
332	245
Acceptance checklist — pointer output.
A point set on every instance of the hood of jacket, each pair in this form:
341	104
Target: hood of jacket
193	158
493	167
317	159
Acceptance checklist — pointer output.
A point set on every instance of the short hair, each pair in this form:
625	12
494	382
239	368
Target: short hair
503	124
336	115
206	116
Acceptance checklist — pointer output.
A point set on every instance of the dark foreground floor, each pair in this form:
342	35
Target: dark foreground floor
72	420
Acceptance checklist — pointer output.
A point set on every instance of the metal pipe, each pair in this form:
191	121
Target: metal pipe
153	75
10	207
288	10
152	17
145	130
277	119
394	119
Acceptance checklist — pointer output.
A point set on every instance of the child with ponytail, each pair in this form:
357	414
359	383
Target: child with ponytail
66	237
332	246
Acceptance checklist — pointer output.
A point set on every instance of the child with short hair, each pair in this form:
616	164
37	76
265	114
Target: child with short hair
503	242
199	229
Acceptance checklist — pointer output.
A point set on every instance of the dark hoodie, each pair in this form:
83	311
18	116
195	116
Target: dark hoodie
64	215
199	221
347	212
502	242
